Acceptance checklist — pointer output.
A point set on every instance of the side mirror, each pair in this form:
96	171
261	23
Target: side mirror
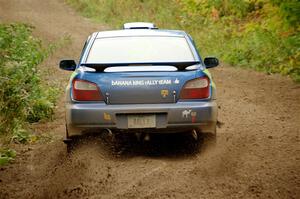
211	62
67	65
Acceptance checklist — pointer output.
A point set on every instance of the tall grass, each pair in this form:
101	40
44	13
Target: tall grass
117	12
259	34
23	97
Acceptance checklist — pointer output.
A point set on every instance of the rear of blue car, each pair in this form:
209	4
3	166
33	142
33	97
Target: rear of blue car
140	79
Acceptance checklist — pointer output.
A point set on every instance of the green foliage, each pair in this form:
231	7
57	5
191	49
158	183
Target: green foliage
23	98
258	34
289	10
261	49
224	7
249	33
6	156
21	136
117	12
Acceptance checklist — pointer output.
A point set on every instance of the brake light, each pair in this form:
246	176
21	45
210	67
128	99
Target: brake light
196	89
86	91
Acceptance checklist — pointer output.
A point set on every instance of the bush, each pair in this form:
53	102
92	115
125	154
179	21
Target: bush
23	98
289	10
117	12
259	34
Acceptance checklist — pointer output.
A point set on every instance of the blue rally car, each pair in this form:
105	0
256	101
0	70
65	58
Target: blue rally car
140	79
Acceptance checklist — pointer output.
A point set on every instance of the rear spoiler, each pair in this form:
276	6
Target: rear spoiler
100	67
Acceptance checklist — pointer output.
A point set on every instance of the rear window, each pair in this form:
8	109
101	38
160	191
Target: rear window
143	49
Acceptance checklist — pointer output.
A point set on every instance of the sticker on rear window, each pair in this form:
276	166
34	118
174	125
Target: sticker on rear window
141	82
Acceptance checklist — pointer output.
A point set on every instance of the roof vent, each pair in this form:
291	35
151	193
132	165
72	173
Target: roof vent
139	25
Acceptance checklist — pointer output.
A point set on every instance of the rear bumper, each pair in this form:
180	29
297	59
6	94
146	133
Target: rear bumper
82	117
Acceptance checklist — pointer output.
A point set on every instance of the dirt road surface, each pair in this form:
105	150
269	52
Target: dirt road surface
256	155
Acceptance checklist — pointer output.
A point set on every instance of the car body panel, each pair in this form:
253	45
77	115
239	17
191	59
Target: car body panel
141	93
140	87
181	114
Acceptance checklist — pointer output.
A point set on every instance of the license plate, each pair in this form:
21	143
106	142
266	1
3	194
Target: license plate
141	121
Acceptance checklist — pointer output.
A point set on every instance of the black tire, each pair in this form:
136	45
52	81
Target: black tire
70	142
207	139
211	137
70	147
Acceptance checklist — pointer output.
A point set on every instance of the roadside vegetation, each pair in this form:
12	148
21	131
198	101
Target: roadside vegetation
258	34
24	98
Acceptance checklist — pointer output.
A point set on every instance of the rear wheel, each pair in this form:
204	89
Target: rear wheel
210	137
70	142
70	146
205	140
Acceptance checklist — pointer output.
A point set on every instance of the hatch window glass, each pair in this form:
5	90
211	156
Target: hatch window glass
143	49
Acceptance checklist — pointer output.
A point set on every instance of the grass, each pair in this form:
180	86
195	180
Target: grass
263	35
24	97
7	156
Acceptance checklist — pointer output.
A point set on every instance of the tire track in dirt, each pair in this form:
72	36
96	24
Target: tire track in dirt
256	156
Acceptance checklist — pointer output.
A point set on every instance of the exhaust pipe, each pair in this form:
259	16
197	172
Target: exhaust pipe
67	140
195	134
109	133
147	137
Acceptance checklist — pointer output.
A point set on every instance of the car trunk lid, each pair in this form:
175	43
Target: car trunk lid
140	87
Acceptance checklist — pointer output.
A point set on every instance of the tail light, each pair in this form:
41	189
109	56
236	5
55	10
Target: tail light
196	89
86	91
